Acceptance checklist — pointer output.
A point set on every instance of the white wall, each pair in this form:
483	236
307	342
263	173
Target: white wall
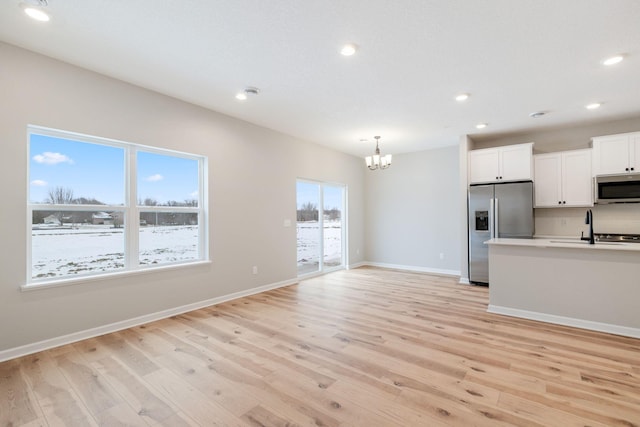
252	182
413	212
463	193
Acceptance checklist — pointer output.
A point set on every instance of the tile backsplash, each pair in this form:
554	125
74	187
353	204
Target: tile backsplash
569	222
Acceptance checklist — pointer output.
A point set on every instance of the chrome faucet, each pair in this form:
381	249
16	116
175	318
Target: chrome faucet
588	220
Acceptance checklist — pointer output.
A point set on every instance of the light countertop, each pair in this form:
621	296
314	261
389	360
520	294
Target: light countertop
563	242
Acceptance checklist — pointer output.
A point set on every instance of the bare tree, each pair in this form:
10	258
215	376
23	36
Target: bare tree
308	212
332	214
60	196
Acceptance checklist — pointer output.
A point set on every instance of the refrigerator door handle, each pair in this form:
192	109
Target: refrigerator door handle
491	224
496	232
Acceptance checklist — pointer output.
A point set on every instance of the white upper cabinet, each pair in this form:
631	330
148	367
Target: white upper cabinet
577	183
548	185
484	165
516	162
508	163
563	179
616	154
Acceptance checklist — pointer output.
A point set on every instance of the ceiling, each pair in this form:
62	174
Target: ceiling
413	57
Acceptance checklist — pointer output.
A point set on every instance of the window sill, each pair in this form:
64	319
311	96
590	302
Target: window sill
107	276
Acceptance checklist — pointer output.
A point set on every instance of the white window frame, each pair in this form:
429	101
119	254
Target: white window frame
131	210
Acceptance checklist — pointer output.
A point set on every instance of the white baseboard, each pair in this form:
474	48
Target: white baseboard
13	353
356	265
464	281
440	272
566	321
24	350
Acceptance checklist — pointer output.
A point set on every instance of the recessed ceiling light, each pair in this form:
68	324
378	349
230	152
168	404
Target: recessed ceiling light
33	8
593	106
462	97
348	49
249	90
36	13
613	60
481	125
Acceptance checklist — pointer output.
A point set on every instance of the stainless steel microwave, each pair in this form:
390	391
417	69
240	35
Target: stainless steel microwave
617	189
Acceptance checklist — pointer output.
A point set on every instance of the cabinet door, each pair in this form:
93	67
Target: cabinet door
577	183
516	162
634	153
610	155
548	180
483	165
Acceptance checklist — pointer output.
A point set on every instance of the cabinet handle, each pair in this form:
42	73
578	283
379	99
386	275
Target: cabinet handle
631	168
564	202
627	169
497	178
559	202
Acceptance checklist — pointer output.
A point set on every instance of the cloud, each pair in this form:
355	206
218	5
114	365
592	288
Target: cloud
39	183
154	178
49	158
194	194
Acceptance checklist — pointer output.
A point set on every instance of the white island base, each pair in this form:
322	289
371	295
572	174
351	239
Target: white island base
594	287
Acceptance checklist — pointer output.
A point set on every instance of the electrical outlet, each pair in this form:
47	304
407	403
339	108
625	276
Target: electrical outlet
255	269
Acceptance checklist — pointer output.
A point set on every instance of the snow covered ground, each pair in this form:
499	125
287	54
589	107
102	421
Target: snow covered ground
309	244
64	251
96	248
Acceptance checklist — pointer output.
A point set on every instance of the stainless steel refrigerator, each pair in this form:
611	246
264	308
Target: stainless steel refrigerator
496	210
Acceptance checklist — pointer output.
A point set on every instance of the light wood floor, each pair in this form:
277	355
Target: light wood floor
366	347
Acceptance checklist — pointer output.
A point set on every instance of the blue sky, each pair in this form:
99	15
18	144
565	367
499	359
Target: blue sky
165	178
97	171
308	192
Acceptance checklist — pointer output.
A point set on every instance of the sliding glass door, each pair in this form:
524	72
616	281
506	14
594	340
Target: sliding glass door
332	231
308	227
320	226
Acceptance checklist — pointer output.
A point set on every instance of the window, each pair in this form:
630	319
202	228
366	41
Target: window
319	226
166	182
101	206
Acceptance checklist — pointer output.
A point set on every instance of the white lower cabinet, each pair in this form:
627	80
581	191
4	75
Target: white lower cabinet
563	179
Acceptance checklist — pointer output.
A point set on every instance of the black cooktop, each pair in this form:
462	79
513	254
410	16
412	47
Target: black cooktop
613	237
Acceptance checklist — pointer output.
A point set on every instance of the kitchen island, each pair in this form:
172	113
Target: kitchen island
568	282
